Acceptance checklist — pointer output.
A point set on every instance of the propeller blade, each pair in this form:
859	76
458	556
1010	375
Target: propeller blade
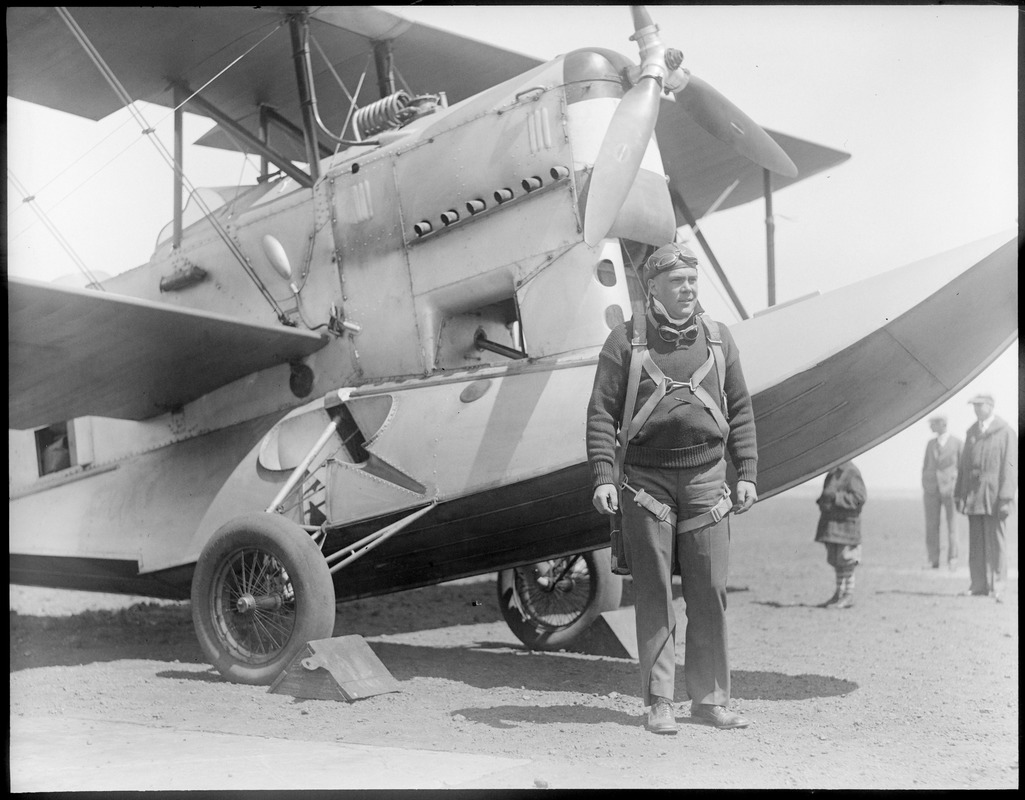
619	158
641	17
721	118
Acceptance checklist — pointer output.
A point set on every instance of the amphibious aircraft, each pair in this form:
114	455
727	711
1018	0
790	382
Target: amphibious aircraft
367	371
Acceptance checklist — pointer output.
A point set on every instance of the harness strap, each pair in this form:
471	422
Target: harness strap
638	342
714	339
665	385
710	517
664	513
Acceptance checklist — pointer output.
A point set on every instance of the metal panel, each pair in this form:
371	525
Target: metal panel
374	273
461	436
491	150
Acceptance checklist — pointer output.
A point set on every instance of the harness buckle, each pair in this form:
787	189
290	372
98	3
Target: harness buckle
722	508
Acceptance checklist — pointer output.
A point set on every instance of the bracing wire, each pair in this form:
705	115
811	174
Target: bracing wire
159	121
198	91
29	199
331	68
86	180
126	99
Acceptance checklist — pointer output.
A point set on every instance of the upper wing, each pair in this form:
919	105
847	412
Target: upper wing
76	352
701	168
148	47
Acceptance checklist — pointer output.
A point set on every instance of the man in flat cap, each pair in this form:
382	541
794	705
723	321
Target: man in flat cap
987	480
671	384
939	474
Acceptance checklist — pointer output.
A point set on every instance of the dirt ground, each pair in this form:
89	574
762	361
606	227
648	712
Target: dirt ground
914	687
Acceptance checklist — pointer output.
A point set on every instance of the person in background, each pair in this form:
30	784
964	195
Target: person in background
987	480
839	529
939	474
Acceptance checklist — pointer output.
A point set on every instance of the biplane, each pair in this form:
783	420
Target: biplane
367	372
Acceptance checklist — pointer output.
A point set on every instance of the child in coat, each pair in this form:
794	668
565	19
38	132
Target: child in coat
839	529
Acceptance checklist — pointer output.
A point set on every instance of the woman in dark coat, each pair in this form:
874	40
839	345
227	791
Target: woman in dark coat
843	495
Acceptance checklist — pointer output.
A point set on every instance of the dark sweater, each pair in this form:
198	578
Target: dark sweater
843	495
681	432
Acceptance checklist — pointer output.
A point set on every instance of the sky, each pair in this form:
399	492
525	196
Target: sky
924	98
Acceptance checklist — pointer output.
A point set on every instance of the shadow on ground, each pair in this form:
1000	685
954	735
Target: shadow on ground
554	672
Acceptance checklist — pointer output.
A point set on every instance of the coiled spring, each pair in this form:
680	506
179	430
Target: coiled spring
382	115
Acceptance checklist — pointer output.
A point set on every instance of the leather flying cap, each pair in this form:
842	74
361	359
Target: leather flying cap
667	257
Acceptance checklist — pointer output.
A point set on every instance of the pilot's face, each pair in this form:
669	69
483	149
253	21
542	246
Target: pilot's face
938	425
677	290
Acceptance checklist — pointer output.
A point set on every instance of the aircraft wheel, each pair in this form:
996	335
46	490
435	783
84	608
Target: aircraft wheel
260	592
549	604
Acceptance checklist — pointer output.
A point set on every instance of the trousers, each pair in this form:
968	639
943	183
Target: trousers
987	563
703	556
935	503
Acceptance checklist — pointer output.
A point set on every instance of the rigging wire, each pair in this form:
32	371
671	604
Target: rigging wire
125	98
29	199
330	67
86	180
129	119
403	81
274	30
82	157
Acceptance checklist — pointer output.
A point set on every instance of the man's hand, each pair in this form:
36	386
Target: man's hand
606	499
959	506
674	58
1004	509
747	496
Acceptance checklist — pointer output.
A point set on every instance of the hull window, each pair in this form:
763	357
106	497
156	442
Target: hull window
53	448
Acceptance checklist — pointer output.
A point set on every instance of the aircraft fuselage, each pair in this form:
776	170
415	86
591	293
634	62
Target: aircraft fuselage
465	226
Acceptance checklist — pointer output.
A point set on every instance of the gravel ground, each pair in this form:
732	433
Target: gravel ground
914	687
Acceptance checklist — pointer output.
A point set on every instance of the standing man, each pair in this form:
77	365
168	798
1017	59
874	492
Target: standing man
694	409
939	474
986	484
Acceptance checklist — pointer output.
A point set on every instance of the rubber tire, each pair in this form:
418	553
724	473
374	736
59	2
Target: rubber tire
314	610
605	594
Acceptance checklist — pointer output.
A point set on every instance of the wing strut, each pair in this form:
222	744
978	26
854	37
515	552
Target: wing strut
384	64
770	239
688	215
300	28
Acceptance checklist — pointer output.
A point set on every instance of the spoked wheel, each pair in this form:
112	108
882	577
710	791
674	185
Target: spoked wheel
260	592
549	604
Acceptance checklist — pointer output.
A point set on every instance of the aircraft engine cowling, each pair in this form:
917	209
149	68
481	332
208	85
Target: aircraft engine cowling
594	90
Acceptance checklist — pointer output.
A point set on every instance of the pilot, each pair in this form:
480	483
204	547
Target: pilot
673	495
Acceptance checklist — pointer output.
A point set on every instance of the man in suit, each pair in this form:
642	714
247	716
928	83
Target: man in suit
987	480
939	474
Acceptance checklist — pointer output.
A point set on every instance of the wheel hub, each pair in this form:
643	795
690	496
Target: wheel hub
249	602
